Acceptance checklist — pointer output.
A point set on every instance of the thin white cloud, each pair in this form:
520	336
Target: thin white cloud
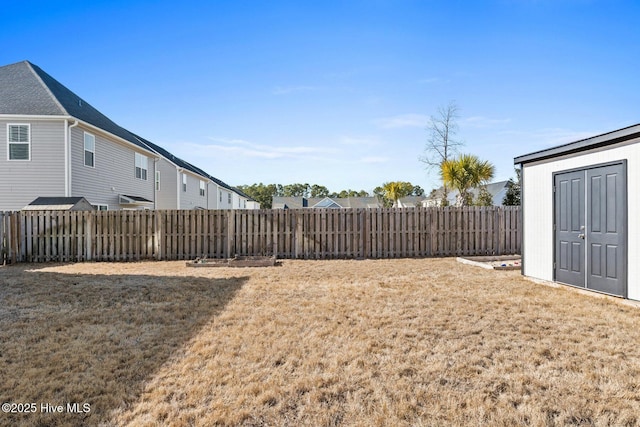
366	141
249	149
403	121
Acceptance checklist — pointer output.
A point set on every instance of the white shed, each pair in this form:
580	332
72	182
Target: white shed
581	205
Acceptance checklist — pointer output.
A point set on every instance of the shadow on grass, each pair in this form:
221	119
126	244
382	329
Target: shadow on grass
94	339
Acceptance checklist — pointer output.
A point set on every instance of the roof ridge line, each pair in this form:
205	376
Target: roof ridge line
44	85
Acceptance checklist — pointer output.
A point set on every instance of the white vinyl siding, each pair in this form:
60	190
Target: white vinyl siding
142	164
89	150
111	175
212	195
44	175
191	196
167	185
19	142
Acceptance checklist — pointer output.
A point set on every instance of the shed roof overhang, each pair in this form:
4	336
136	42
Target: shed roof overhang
594	142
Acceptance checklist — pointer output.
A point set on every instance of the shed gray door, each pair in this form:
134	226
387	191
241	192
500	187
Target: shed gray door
569	223
590	220
606	236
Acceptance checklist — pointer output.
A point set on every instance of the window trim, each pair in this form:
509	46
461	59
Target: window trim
143	176
92	152
28	143
184	182
203	188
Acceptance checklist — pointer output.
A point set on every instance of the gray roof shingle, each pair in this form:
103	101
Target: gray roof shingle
25	89
22	92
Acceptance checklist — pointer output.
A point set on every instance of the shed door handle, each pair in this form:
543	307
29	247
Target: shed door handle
581	236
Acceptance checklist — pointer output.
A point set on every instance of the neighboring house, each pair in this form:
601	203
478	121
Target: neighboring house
580	204
497	190
58	145
59	204
325	202
409	202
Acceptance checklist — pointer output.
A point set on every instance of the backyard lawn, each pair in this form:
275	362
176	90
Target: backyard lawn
418	342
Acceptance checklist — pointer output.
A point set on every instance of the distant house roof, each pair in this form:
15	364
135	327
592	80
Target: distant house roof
325	202
289	202
410	201
59	204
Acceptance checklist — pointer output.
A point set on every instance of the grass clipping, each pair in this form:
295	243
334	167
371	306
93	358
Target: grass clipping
323	343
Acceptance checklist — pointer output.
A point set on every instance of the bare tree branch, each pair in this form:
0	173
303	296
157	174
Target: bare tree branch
441	145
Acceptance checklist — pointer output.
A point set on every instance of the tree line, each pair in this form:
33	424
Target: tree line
387	193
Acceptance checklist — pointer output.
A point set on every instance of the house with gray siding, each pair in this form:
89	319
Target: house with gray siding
55	144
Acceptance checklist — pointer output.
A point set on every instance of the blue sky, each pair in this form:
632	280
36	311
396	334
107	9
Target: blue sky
339	93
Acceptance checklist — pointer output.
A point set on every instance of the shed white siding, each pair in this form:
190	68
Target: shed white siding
538	237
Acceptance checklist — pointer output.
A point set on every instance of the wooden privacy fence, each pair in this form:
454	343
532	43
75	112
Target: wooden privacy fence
300	233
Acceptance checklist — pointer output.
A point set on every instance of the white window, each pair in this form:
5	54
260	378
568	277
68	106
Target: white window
184	182
89	149
102	207
19	138
229	198
141	166
221	197
202	187
157	180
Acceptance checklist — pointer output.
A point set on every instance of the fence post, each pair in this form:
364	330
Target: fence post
88	230
230	232
298	234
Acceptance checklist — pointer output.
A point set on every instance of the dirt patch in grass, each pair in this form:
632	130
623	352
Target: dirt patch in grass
390	342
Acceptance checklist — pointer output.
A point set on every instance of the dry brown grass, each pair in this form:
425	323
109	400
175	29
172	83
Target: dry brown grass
322	343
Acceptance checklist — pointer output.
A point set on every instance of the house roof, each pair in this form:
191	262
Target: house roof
178	161
186	165
288	202
598	141
25	89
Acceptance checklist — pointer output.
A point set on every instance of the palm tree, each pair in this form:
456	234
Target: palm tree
394	190
464	173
